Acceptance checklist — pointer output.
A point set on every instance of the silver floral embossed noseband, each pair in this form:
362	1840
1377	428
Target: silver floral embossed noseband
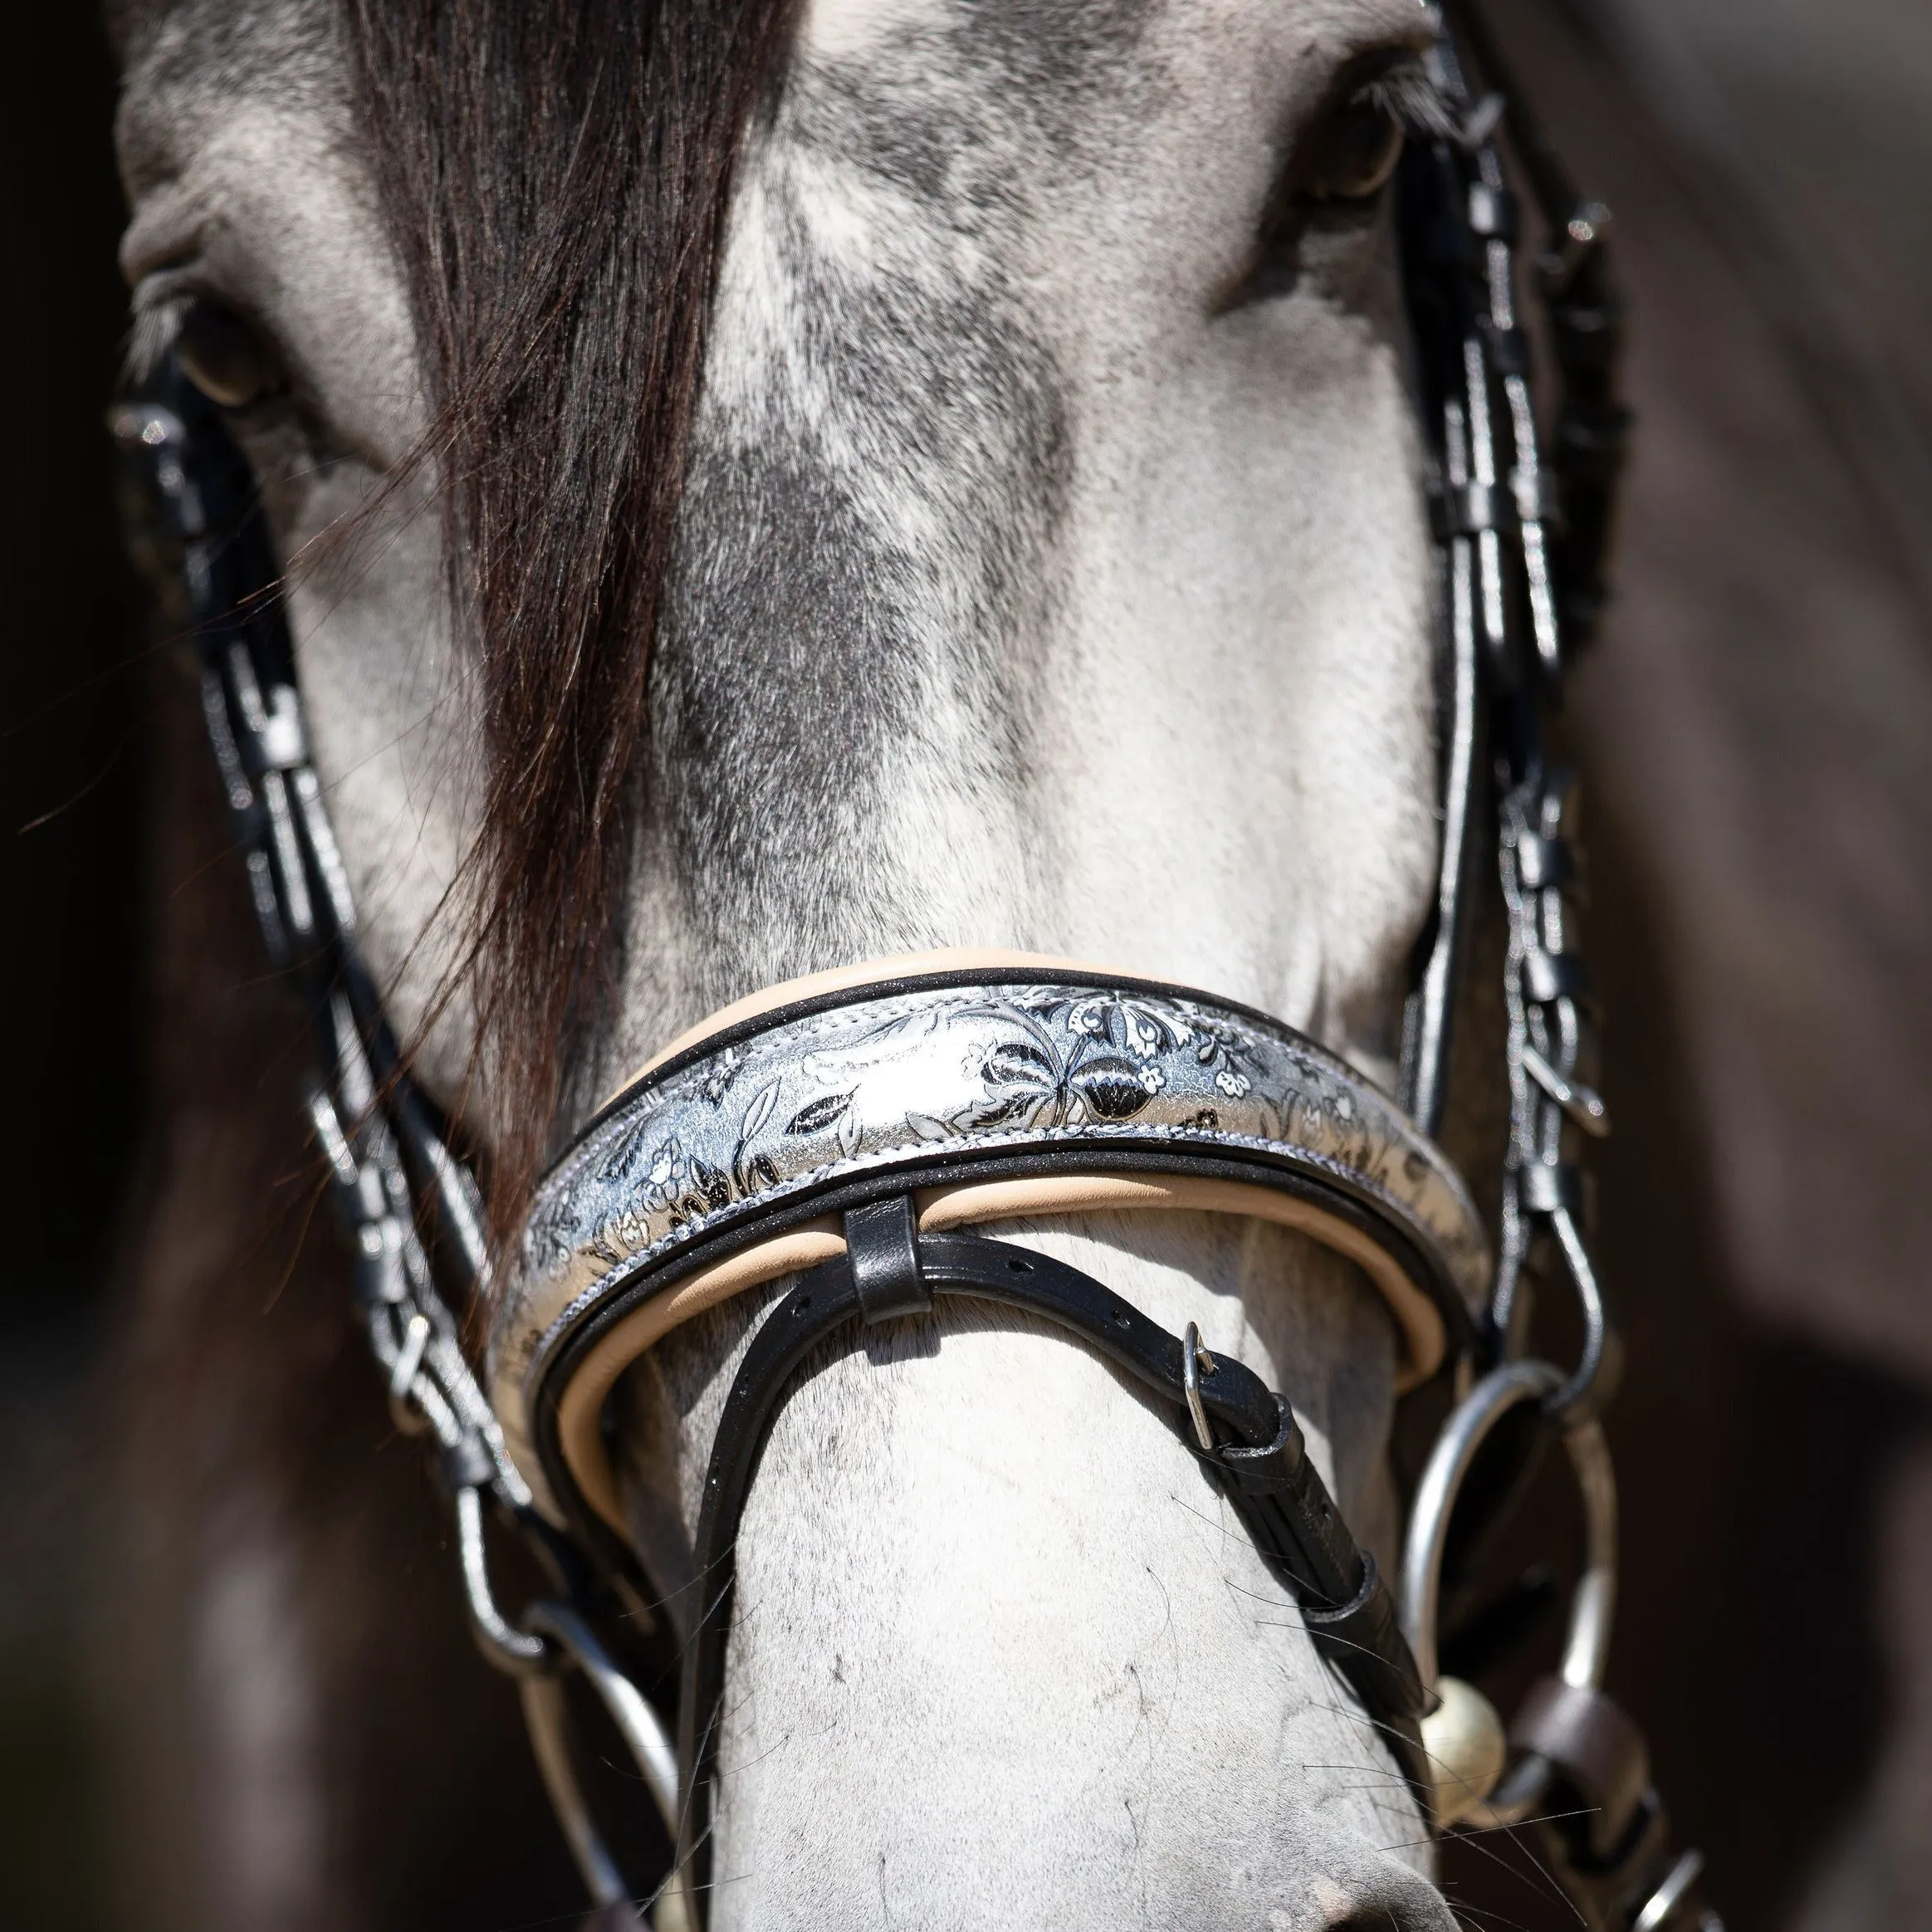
989	1089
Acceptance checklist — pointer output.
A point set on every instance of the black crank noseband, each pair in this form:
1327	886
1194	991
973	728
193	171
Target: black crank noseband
1255	1451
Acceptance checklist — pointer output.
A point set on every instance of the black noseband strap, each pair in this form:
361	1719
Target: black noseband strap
1258	1457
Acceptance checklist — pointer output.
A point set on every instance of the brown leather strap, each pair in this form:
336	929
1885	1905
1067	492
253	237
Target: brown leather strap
1595	1746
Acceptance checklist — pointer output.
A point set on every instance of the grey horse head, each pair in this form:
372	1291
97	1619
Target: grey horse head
1047	568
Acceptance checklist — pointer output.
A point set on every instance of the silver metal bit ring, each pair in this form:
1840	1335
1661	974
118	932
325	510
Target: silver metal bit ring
1594	1603
547	1714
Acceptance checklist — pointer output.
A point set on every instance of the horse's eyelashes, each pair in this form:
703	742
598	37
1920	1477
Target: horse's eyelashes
1355	145
227	358
1356	150
1352	149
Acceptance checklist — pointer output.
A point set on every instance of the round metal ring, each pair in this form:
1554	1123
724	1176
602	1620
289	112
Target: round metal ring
1594	1603
547	1714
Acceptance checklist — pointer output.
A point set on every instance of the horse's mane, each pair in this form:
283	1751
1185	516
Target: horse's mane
555	174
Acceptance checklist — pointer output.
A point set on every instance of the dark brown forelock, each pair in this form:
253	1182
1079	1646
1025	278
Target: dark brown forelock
555	174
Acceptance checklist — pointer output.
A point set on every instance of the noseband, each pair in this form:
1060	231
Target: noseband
869	1116
850	1131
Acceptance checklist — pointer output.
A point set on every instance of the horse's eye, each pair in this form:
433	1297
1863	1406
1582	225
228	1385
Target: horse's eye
225	358
1353	151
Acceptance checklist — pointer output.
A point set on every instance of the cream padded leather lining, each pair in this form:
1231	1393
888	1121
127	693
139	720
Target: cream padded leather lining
580	1434
596	1374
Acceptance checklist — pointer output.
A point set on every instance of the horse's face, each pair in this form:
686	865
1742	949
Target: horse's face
1052	571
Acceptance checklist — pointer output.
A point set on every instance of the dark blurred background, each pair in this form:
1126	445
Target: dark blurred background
74	767
1757	730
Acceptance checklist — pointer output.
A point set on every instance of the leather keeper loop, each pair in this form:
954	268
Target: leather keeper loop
1364	1639
883	1243
1593	1744
1284	1494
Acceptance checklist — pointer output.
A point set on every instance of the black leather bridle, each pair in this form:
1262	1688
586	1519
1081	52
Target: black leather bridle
1522	546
